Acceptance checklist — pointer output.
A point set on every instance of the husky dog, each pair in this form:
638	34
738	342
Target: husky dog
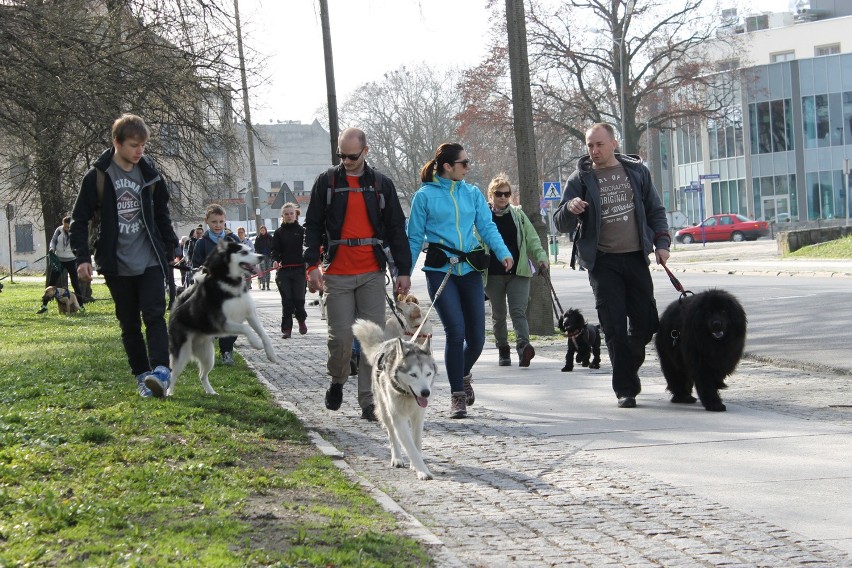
66	302
408	309
403	374
216	304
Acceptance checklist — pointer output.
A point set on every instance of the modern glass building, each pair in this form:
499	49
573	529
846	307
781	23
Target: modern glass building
782	150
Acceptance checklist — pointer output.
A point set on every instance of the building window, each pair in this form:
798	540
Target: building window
726	134
782	56
24	238
771	126
755	23
823	50
274	161
689	143
275	185
299	187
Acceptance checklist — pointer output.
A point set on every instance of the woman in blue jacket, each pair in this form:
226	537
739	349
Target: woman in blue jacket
451	216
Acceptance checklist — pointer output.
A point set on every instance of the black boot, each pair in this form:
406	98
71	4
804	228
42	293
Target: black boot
505	357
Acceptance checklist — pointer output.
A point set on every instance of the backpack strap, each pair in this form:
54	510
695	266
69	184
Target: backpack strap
377	186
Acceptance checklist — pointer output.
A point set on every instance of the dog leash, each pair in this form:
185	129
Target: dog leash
554	300
676	283
453	261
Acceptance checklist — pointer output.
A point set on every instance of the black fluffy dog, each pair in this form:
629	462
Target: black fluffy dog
584	339
700	342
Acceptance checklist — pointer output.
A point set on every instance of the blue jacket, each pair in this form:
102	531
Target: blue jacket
447	212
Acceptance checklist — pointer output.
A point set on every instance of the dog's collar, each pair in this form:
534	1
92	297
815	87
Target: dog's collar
423	335
57	294
575	334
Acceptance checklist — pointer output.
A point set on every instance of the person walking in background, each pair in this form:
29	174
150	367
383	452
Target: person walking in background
357	210
204	247
288	260
444	212
60	247
622	221
188	250
513	285
133	248
263	247
241	236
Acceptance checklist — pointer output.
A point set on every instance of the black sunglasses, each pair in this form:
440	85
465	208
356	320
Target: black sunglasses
465	163
503	193
352	157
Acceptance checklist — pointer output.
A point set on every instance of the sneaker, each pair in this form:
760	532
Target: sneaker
369	413
627	402
42	310
228	358
158	381
525	353
303	329
144	391
286	333
334	396
469	395
458	408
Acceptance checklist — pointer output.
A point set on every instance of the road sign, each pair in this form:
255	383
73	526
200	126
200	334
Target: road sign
552	190
693	186
708	176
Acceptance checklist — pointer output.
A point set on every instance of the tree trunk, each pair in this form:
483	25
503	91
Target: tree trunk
539	309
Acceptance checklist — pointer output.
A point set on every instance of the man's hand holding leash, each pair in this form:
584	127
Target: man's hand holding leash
84	272
315	280
403	285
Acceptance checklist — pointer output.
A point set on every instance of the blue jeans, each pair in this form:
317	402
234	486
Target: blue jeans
461	307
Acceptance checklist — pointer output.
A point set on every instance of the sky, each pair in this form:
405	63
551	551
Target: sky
287	34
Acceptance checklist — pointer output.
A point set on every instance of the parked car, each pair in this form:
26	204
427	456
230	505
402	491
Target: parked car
724	227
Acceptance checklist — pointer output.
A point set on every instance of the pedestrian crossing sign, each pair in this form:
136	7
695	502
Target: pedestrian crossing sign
552	190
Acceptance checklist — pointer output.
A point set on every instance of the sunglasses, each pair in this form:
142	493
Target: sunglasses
464	163
352	157
502	194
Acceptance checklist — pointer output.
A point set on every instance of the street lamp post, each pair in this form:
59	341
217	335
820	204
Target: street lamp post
628	9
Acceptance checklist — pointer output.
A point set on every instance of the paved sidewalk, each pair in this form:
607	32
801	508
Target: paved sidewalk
547	471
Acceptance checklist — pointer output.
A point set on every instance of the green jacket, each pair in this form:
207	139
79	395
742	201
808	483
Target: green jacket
529	244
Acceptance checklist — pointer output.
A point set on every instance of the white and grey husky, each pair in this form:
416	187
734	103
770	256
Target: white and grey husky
403	374
217	304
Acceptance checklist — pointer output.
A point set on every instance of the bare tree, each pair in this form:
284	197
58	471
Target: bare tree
406	116
69	68
638	70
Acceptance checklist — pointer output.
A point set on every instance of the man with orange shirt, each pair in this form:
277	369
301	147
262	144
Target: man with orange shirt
357	211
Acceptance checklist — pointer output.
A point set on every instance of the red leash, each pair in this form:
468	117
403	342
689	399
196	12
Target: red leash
676	283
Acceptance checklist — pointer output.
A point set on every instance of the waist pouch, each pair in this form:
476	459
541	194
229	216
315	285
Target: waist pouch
437	257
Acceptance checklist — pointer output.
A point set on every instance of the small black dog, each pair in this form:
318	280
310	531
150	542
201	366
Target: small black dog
583	338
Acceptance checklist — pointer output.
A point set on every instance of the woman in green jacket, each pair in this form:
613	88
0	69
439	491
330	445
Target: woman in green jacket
513	285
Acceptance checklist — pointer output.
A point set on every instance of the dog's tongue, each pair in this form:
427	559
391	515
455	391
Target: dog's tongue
422	401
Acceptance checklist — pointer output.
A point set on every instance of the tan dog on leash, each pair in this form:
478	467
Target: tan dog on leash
66	301
408	309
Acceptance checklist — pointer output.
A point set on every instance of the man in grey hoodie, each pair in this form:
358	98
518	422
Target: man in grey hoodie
622	221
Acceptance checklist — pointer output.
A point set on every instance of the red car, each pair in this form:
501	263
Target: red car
724	227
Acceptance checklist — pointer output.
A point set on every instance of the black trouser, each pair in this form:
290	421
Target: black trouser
624	299
137	299
54	277
291	285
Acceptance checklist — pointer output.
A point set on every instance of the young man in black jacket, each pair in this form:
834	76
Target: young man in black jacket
132	249
623	221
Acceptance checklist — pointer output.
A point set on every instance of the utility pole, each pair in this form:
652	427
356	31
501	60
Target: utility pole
333	127
253	199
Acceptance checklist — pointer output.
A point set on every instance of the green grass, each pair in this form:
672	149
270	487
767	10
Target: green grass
91	474
836	249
